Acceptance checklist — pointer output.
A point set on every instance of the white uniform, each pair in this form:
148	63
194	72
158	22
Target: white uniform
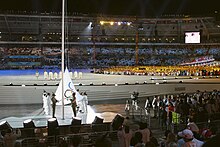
45	75
146	104
50	75
44	97
85	103
71	74
75	74
55	75
46	103
80	75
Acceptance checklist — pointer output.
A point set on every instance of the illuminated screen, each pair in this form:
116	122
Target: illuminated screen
192	37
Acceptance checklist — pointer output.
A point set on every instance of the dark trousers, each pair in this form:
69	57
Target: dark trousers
53	110
74	110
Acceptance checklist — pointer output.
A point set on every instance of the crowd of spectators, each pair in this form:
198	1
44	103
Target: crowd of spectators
105	56
162	70
166	55
193	108
23	51
199	106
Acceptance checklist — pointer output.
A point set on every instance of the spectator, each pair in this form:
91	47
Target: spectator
145	132
10	137
171	138
212	142
103	141
124	136
187	136
172	144
153	139
163	142
136	140
150	144
75	141
193	127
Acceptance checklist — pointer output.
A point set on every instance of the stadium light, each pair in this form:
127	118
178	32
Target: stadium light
102	22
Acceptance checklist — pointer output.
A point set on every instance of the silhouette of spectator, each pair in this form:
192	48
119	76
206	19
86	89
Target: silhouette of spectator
10	137
214	141
103	141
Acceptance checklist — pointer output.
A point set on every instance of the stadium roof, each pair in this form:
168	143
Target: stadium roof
117	7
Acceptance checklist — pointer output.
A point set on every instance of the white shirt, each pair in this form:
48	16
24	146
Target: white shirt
180	142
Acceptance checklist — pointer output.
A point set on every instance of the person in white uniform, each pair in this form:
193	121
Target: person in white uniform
50	75
45	75
85	102
48	105
46	102
55	75
44	97
75	75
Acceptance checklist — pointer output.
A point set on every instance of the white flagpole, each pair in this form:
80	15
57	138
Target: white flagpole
63	50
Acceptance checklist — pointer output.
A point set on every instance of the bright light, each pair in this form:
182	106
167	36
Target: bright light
111	23
119	23
129	23
102	22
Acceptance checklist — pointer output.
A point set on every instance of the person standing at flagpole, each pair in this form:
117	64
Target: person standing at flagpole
54	101
72	99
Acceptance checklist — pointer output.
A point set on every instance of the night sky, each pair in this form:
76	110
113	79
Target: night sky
117	7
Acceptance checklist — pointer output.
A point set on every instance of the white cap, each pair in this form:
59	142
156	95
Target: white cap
188	134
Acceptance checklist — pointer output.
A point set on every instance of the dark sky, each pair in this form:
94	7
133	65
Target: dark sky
117	7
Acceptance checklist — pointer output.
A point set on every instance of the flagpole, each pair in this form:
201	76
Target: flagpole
63	4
